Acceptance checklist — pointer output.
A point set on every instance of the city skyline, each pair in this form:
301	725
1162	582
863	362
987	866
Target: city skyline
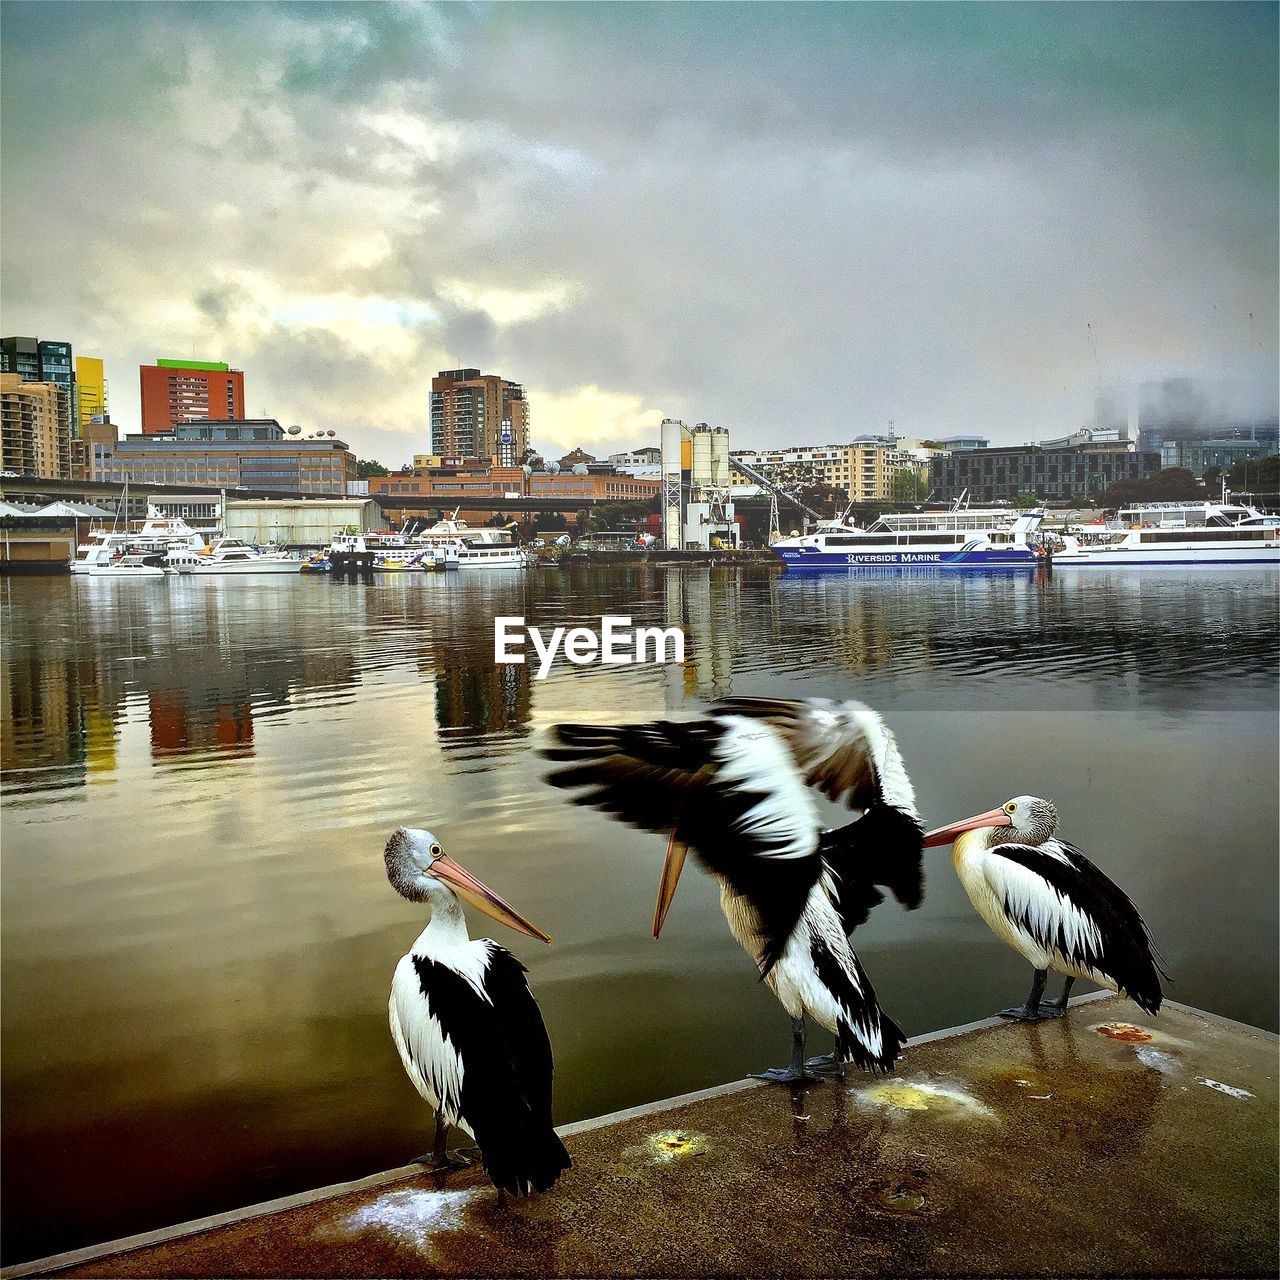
799	222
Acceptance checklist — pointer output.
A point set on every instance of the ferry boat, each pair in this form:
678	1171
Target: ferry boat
999	538
460	546
492	556
1174	533
448	544
392	552
231	556
158	535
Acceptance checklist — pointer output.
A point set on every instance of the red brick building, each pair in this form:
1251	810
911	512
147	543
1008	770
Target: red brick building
451	486
178	391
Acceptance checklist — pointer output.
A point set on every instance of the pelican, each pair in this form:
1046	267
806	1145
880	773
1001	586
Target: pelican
1051	905
469	1032
736	788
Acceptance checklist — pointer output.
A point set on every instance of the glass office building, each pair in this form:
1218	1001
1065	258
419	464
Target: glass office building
252	454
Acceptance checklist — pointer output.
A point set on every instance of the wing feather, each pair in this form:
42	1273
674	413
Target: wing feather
844	749
716	783
727	786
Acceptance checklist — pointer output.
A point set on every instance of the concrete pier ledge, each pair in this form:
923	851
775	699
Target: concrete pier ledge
1106	1144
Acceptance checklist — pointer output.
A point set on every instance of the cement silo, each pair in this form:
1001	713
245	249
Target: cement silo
673	432
701	477
720	458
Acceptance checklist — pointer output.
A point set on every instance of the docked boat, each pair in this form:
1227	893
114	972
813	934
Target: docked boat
451	529
959	539
403	561
492	556
389	552
1174	533
448	544
158	536
459	545
231	556
126	566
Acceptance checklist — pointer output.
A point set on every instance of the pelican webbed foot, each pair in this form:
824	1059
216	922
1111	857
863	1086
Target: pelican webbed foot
1033	1009
785	1075
1057	1008
1026	1013
439	1159
433	1163
1052	1009
826	1065
795	1072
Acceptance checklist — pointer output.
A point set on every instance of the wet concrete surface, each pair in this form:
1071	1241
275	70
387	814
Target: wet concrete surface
1108	1143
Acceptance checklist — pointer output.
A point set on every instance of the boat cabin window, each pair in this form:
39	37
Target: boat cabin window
1201	535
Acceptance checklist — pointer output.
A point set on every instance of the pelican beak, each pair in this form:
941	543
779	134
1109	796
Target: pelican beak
672	865
480	896
945	835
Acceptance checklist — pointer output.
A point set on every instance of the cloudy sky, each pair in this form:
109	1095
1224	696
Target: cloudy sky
800	222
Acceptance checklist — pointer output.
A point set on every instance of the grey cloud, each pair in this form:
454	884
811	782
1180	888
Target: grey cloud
796	220
215	304
470	338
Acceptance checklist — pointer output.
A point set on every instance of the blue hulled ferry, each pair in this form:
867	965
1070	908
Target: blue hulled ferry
960	539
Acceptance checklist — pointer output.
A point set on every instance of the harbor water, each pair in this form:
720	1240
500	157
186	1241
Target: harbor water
199	777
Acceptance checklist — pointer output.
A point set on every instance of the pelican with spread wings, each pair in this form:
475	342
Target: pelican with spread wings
738	789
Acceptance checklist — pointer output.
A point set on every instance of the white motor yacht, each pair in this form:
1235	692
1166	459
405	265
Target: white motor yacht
448	544
452	529
1174	533
231	556
158	535
126	566
464	547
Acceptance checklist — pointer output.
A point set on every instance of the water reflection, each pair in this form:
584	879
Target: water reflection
57	724
199	776
208	658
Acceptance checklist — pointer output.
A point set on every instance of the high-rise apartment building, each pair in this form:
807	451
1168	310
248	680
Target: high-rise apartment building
33	436
477	415
91	391
178	391
41	360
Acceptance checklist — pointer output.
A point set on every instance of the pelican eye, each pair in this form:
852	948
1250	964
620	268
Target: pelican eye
1011	808
436	851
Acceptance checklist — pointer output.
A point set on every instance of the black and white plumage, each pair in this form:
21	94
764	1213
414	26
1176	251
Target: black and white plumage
469	1032
1051	905
736	788
845	750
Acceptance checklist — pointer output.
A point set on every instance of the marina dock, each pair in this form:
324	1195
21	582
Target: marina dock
1107	1143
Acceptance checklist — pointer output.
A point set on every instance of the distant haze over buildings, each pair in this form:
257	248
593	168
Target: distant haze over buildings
800	222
